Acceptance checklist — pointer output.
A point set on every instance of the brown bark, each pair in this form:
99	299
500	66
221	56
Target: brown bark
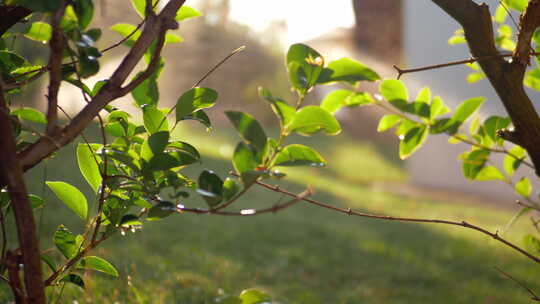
12	175
505	77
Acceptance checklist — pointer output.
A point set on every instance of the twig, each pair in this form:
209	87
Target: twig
196	84
401	71
349	211
250	212
534	297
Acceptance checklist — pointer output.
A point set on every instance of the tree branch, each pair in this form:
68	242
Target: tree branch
155	26
12	174
349	211
505	77
56	45
529	21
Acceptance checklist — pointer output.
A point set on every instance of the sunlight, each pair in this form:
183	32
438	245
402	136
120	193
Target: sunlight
305	19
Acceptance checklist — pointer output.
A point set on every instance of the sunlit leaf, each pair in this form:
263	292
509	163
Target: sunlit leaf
194	100
523	187
312	119
88	160
412	140
39	31
388	121
299	155
98	264
71	197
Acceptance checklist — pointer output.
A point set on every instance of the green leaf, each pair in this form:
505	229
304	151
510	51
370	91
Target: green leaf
523	187
40	6
193	100
304	65
85	11
351	71
73	279
187	154
254	296
513	159
488	173
532	244
467	108
69	21
299	155
473	162
127	30
283	111
312	119
493	124
98	264
230	189
201	117
388	121
66	242
249	129
244	158
532	79
475	77
10	61
161	210
154	120
412	140
457	39
147	93
86	158
88	63
337	99
31	115
518	5
424	95
500	14
140	5
394	90
71	197
210	188
154	145
173	38
35	201
39	31
186	12
49	261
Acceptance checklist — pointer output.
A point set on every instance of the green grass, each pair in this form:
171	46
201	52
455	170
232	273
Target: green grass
303	254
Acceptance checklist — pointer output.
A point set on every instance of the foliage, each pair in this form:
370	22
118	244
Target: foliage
138	171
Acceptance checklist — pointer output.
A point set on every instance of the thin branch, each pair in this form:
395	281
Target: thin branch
349	211
534	297
12	175
124	39
529	21
50	280
214	68
249	212
401	71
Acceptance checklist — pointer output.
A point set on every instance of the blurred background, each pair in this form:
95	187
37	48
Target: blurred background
305	254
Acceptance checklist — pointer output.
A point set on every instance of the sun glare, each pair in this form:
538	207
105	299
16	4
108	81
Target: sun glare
305	19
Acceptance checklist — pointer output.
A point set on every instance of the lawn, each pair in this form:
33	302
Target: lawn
303	254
